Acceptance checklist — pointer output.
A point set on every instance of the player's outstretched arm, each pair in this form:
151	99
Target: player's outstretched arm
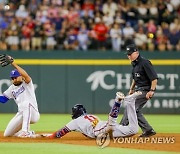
24	74
58	134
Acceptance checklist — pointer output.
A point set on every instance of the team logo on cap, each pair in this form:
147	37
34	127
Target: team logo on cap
13	72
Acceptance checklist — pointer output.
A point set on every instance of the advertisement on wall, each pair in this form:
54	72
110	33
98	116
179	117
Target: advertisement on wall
58	88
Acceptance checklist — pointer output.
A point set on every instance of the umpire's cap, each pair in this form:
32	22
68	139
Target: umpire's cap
130	49
14	73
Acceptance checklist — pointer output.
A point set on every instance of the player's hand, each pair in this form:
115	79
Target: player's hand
150	94
131	92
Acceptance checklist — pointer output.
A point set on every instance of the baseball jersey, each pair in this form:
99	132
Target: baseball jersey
86	124
23	95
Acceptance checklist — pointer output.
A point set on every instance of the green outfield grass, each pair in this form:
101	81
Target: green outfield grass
52	122
55	148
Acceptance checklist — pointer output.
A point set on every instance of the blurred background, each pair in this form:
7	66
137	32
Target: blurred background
83	43
89	24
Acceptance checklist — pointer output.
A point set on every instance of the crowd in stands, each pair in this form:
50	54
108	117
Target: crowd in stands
89	24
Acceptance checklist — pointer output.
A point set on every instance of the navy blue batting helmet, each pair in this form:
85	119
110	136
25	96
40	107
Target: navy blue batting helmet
78	110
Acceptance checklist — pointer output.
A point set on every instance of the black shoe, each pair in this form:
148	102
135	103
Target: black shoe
148	133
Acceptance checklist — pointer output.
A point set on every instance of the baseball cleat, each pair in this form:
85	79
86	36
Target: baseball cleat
29	134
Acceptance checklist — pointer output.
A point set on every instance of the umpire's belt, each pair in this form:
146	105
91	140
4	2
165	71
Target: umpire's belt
145	88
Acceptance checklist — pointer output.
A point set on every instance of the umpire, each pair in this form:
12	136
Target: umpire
144	79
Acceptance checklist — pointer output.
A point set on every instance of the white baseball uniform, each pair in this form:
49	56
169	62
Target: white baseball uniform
24	96
91	126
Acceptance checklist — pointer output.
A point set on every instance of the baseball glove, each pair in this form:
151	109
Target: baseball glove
5	60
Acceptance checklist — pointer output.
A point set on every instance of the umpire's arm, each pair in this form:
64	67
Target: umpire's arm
24	74
150	94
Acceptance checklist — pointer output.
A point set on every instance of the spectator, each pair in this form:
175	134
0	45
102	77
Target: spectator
67	14
71	42
118	18
82	38
140	24
13	39
73	16
33	7
153	10
161	40
87	8
108	20
49	33
4	23
87	19
25	36
165	29
174	39
161	11
128	33
142	11
116	36
140	39
92	37
110	8
3	44
21	13
60	38
37	34
151	27
101	31
175	4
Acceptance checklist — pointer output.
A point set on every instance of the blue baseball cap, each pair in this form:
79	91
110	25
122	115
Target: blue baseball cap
14	73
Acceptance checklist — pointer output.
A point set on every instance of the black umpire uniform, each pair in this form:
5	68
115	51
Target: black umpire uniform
143	75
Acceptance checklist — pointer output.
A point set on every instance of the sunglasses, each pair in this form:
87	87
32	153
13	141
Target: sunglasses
12	78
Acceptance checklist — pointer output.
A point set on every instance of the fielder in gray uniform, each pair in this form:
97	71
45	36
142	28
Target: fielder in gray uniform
91	126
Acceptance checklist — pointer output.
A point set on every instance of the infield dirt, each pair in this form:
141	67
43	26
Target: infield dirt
159	142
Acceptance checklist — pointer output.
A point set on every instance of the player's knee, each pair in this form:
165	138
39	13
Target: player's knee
134	129
35	119
6	134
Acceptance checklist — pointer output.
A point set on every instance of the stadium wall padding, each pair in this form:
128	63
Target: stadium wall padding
65	78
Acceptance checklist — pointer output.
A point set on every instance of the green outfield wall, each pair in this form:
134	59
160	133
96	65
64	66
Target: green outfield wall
92	78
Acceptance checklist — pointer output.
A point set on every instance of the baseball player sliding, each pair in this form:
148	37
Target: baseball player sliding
23	93
91	126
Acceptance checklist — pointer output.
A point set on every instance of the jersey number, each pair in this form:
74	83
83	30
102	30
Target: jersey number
92	119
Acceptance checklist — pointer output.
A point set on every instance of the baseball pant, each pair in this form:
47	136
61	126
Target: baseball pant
132	128
120	130
142	122
22	120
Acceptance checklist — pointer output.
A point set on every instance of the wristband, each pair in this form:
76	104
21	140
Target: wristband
152	90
